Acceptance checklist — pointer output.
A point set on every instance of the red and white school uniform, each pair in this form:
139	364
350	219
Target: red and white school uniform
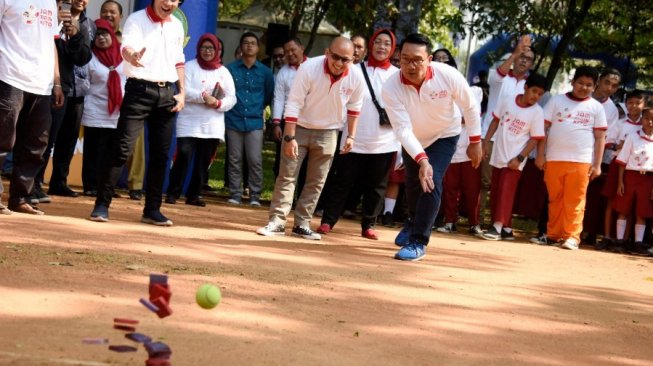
502	86
462	185
637	157
517	125
618	134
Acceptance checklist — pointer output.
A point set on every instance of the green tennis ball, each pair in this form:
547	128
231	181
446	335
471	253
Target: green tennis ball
208	296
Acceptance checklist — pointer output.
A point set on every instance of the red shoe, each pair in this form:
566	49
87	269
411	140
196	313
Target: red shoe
370	234
324	229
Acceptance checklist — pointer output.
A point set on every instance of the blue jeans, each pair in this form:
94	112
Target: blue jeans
422	206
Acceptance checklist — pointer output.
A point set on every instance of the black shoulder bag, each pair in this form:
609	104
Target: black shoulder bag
383	116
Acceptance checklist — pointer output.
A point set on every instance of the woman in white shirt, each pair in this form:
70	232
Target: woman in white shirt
102	104
210	92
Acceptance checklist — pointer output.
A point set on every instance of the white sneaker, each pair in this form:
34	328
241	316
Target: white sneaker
447	228
570	244
233	201
272	229
255	203
4	210
306	233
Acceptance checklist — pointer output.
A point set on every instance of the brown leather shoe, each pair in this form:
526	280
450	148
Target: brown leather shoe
26	208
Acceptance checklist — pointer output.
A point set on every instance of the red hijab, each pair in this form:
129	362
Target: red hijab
216	62
384	64
110	58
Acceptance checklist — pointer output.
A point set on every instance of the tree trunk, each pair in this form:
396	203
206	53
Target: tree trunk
408	21
321	10
298	14
382	18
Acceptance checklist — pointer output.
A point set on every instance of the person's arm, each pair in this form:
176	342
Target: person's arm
599	145
227	83
620	184
488	136
516	162
522	47
278	101
57	91
622	161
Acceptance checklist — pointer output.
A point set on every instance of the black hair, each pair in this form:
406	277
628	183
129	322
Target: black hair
416	38
451	62
536	80
610	71
293	39
482	74
248	35
634	94
587	71
358	35
115	2
221	47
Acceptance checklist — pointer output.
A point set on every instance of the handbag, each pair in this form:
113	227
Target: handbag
383	116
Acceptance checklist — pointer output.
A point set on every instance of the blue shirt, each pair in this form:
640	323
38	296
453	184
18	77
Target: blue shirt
254	90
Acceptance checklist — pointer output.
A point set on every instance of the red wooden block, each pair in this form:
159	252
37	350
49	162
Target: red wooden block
164	308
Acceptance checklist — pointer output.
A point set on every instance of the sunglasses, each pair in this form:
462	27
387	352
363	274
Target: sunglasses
335	57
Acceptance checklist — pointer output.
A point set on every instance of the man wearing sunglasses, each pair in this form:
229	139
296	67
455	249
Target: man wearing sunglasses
323	94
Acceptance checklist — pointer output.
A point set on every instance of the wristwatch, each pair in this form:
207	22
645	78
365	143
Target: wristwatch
520	158
288	138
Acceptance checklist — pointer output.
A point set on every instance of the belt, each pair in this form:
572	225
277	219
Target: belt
154	84
644	172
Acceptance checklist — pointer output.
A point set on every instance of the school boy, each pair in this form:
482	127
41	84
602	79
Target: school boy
519	126
635	186
574	147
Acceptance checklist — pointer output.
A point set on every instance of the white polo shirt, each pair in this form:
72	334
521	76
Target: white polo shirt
502	86
637	153
612	118
96	112
282	84
420	115
27	50
318	101
517	125
573	121
163	42
460	156
197	119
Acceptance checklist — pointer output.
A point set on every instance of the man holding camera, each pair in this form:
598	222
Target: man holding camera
152	50
29	84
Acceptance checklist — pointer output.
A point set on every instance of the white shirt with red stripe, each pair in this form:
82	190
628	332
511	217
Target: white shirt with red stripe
517	125
420	115
163	41
318	101
612	118
502	86
371	137
637	153
27	32
627	127
573	122
282	84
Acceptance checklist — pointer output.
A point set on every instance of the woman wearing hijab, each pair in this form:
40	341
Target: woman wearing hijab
210	92
102	104
368	163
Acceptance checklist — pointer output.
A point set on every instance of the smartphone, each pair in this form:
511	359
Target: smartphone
66	6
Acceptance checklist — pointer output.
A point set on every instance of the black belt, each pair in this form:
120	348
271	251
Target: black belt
154	84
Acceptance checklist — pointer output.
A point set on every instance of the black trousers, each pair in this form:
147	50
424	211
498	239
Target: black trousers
370	172
203	150
24	126
66	141
143	103
57	118
96	143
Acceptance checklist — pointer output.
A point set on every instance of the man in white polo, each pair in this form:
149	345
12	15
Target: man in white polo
421	102
323	93
29	85
152	49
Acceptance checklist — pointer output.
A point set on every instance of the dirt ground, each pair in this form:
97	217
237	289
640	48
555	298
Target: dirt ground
287	301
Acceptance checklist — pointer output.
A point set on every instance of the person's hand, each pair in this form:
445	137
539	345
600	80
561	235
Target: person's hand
276	132
349	144
57	97
134	57
210	100
484	148
595	171
180	98
475	153
620	189
540	162
70	27
524	45
426	176
291	149
514	164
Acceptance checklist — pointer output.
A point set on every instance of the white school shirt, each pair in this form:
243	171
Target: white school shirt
317	101
282	83
628	126
421	115
460	156
612	119
197	119
27	32
371	137
163	42
96	112
637	153
502	86
517	125
573	121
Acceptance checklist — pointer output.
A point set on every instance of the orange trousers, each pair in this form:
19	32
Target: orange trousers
566	183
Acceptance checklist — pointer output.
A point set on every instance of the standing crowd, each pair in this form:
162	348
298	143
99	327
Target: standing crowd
368	123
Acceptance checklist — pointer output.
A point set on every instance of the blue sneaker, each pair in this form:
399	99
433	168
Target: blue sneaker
403	236
100	214
411	252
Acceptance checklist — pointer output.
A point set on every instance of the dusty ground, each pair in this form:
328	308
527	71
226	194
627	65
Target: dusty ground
286	301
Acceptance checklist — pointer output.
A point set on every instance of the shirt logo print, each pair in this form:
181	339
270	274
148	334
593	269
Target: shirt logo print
30	15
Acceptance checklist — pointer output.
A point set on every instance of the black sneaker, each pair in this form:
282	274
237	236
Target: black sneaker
135	194
618	246
604	244
491	234
640	249
63	191
38	196
155	218
306	233
387	220
171	200
507	235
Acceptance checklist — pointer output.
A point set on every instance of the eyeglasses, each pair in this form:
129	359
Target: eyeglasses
440	58
207	48
379	42
415	62
336	58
